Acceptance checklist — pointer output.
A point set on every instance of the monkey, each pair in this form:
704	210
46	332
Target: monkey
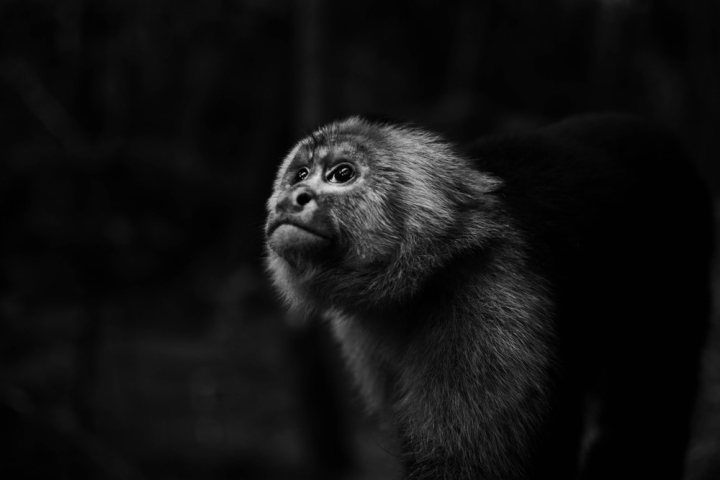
532	305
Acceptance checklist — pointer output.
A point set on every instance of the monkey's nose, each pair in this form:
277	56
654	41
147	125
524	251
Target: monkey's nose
296	200
303	198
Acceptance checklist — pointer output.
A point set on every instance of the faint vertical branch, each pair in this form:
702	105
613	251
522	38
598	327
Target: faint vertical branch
610	23
308	66
703	78
469	45
703	125
199	80
468	54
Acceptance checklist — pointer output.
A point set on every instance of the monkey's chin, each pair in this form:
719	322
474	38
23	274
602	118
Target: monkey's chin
291	242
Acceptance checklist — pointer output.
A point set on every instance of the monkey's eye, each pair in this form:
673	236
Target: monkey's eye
341	174
301	174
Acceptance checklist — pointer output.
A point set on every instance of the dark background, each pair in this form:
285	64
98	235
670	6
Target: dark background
139	337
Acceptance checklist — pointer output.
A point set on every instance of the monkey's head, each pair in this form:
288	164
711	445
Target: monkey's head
362	213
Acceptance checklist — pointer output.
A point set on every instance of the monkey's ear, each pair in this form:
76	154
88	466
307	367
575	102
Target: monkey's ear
474	187
487	183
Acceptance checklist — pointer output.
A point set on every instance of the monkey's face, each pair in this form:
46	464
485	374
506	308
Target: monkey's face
328	206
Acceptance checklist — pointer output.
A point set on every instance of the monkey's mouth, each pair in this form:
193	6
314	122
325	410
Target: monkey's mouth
290	225
290	239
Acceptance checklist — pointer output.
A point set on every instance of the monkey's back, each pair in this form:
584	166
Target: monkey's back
614	215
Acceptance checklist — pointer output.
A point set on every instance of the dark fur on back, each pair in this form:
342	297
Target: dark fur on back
532	307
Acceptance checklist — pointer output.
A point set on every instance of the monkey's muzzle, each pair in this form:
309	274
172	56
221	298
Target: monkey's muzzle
290	240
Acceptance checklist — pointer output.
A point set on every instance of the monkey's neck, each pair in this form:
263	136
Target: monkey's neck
441	295
472	324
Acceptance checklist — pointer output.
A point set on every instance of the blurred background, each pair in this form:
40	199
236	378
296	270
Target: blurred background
139	338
